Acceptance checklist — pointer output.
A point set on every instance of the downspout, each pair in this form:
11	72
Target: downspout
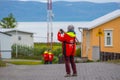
81	39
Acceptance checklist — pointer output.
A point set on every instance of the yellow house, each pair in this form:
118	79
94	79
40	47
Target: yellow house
101	38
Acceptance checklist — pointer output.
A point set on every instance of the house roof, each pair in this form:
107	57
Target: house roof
102	20
14	29
5	33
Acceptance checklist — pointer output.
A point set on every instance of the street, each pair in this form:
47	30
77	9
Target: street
86	71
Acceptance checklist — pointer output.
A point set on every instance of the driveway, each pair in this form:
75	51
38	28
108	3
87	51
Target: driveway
86	71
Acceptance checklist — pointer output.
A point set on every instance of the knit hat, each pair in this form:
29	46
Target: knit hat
45	52
50	53
70	28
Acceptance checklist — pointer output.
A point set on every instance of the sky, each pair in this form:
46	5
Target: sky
97	1
37	29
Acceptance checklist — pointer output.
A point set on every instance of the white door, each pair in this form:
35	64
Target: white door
95	53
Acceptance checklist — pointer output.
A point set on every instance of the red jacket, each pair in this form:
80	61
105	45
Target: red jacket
46	56
51	57
68	43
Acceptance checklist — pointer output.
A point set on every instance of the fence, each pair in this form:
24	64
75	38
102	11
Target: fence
105	56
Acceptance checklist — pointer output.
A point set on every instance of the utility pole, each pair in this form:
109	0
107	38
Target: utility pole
0	48
49	24
81	41
16	43
100	34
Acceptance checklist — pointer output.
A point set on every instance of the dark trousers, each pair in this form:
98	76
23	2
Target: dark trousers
70	60
45	62
50	62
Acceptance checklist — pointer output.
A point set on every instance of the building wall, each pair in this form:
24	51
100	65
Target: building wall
87	44
112	25
94	39
22	38
5	45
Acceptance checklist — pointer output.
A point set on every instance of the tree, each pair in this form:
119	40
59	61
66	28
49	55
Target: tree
8	22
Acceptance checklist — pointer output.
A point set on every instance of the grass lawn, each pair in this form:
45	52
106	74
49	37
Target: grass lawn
23	62
2	63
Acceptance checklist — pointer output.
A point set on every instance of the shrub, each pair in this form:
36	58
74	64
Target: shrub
22	50
78	52
25	52
57	51
55	60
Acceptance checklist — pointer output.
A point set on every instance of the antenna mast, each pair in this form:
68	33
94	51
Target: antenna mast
49	24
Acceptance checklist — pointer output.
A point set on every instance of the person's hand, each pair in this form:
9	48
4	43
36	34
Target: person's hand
61	31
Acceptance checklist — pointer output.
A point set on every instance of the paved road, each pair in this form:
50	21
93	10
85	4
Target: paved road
86	71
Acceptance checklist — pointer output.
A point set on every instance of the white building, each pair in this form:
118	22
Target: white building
5	45
20	37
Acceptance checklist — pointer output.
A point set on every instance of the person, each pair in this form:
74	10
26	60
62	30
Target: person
68	48
51	56
46	57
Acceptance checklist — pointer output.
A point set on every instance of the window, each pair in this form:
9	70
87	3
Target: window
108	37
19	37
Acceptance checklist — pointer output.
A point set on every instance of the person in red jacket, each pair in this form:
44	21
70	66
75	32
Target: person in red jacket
46	57
68	48
51	56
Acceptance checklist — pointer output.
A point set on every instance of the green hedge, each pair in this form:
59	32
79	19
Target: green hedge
25	52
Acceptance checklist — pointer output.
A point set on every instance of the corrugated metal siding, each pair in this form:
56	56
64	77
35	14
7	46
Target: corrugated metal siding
26	39
5	45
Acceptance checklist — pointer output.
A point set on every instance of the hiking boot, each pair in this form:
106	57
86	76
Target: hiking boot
74	75
67	75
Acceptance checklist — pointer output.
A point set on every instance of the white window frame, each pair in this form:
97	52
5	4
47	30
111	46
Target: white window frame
110	31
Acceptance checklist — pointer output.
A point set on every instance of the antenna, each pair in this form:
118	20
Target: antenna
49	24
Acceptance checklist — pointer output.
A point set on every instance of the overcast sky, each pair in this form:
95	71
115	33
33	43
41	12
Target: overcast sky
98	1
